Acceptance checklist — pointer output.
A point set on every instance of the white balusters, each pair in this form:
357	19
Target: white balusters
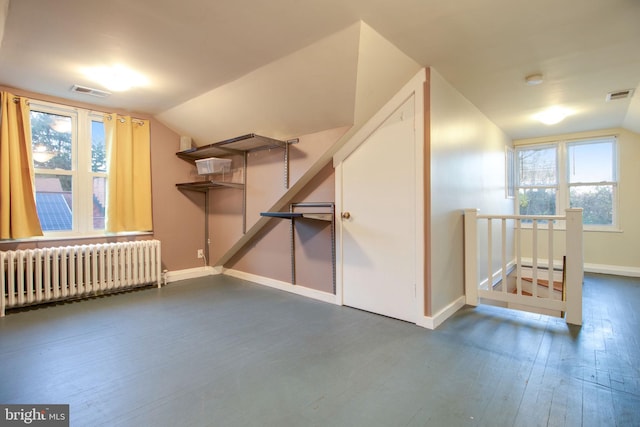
541	227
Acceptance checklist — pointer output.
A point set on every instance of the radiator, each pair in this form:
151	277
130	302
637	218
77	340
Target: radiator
36	276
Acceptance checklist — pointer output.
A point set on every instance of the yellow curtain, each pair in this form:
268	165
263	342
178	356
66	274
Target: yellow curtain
18	214
129	181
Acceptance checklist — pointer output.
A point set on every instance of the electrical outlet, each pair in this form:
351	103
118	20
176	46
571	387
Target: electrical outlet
200	253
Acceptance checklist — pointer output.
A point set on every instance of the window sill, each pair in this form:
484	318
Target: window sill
61	237
603	230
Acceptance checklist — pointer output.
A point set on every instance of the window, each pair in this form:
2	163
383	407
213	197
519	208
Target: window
576	174
537	180
592	180
69	159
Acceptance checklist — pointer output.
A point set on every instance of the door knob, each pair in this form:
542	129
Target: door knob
346	215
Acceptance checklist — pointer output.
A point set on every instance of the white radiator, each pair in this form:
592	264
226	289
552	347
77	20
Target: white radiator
34	276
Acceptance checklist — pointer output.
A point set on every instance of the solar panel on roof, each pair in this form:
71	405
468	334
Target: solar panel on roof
53	211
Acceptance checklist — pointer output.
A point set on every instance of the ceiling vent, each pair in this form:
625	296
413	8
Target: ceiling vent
90	91
620	94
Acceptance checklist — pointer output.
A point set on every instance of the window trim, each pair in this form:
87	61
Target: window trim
510	172
563	185
81	173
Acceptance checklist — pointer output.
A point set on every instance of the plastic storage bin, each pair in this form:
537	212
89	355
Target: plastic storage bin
213	165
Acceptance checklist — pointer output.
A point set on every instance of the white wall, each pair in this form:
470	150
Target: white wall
466	157
616	252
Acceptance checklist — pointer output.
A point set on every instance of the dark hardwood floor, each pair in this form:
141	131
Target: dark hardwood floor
220	351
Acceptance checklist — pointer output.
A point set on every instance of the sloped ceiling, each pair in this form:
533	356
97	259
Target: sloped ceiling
192	49
340	80
283	99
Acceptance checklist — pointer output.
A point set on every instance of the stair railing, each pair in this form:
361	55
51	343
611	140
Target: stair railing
492	283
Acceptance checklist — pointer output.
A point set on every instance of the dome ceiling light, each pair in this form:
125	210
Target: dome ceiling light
534	79
116	78
553	115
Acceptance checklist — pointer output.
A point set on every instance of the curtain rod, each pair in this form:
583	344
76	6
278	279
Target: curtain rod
133	119
16	98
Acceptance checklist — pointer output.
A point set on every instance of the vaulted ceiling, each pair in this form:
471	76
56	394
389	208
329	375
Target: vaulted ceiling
198	55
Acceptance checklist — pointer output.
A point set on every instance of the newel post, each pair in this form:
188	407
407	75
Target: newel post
471	256
574	273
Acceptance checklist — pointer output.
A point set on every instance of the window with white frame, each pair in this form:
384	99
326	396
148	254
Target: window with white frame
569	174
69	159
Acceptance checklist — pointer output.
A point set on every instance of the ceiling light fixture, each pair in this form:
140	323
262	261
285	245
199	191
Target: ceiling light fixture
117	78
534	79
553	115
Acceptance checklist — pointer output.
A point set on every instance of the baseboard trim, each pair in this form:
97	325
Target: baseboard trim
190	273
434	321
617	270
497	276
283	286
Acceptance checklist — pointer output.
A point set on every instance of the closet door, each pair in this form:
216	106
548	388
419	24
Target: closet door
378	219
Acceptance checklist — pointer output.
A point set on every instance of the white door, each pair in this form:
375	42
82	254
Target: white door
378	237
